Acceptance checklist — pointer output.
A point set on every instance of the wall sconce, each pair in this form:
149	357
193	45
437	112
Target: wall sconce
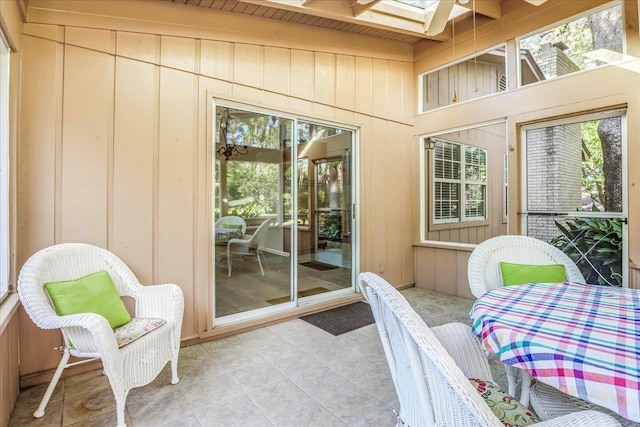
429	143
228	149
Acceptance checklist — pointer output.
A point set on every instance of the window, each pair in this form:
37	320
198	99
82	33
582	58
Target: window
581	44
4	166
460	182
483	74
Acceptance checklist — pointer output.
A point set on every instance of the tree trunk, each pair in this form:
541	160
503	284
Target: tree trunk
607	34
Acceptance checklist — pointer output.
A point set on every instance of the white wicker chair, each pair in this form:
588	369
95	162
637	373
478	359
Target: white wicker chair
483	271
249	245
133	365
484	263
430	367
549	402
224	222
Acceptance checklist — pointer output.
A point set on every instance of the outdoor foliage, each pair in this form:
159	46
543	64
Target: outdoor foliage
595	245
331	227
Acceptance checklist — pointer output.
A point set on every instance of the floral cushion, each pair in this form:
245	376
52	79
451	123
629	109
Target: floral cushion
510	412
139	326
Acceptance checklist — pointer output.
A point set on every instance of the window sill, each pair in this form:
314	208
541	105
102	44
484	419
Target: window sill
8	308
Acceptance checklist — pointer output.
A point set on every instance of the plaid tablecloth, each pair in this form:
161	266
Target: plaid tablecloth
582	339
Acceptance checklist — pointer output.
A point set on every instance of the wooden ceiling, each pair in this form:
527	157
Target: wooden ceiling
385	19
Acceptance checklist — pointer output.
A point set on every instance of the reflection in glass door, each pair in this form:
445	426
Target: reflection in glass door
279	233
574	192
325	245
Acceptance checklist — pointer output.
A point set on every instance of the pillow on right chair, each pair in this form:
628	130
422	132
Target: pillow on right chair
518	274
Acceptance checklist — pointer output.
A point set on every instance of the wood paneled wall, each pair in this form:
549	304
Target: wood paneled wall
114	143
602	88
493	139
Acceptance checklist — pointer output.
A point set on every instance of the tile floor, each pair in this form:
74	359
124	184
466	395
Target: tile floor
289	374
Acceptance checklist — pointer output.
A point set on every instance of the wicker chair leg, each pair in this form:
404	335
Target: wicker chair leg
52	385
174	371
512	379
120	405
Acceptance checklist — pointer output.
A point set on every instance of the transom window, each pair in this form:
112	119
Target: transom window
460	182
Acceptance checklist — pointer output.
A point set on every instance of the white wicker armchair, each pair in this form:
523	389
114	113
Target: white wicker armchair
483	271
484	263
89	335
430	367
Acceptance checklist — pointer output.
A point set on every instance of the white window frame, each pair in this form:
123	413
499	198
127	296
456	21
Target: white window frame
5	51
421	76
462	181
624	56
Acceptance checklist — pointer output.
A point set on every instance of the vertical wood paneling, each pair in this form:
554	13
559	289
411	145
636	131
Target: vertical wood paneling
462	280
445	271
177	144
364	85
41	103
345	82
248	63
302	74
277	69
9	373
377	206
366	197
425	267
395	173
395	92
409	93
88	113
325	78
178	53
143	47
100	40
380	88
216	59
135	138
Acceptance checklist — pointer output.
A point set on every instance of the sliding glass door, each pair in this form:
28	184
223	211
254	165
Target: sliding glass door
280	233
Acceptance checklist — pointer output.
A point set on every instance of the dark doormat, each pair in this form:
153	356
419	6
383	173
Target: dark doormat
344	319
301	294
319	265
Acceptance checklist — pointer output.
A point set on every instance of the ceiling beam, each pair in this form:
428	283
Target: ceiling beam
490	8
360	6
436	19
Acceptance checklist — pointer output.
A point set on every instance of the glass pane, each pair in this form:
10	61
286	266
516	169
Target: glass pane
575	167
594	244
479	76
325	245
252	200
581	44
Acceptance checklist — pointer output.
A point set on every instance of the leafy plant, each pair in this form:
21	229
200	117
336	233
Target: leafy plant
595	245
332	227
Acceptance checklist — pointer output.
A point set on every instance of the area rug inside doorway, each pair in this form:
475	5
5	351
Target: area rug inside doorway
321	266
343	319
301	294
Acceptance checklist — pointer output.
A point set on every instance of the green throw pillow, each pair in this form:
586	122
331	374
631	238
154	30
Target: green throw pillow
226	226
94	293
518	274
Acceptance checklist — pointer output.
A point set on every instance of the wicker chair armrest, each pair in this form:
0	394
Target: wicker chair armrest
161	301
465	348
100	338
583	419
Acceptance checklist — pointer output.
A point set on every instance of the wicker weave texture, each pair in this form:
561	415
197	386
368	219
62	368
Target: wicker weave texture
430	367
134	365
484	263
